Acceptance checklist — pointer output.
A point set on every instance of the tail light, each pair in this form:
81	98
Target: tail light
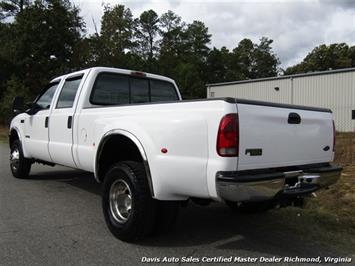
334	136
228	136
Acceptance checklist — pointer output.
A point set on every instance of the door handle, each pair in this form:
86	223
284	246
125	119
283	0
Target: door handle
294	118
70	121
46	122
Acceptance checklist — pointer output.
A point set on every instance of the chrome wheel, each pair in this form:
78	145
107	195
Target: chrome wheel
120	199
15	159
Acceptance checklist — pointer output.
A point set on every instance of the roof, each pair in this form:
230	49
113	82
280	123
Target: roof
114	70
317	73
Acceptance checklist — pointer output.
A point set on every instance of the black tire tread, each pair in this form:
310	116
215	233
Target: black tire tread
143	221
25	164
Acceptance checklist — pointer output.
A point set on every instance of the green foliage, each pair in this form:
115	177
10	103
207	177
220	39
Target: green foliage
146	32
116	37
14	87
10	8
44	39
47	34
255	60
325	57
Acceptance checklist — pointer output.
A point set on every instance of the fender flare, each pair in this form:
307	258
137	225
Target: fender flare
17	132
138	144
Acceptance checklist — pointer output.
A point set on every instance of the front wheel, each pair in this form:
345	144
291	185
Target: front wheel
129	209
19	165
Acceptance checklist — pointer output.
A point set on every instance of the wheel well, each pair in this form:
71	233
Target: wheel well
13	136
114	149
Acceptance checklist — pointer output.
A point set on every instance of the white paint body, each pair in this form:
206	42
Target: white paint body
333	89
187	129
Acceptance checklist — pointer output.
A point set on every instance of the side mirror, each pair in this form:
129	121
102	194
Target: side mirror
33	108
18	105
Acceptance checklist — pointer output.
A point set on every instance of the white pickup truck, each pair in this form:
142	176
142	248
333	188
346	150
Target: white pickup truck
152	150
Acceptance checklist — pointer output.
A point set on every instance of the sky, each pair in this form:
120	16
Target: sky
295	26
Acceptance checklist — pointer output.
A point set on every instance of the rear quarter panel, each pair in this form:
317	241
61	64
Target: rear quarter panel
188	130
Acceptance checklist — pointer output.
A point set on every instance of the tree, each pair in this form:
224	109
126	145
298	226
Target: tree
171	30
243	59
117	27
47	34
147	30
325	57
7	52
10	8
191	71
252	60
146	33
110	47
170	46
219	66
14	87
198	39
46	38
266	62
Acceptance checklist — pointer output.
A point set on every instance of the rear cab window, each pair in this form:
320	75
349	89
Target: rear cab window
67	95
119	89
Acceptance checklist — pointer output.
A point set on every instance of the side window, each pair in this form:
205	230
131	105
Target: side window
162	91
67	95
110	89
139	90
46	98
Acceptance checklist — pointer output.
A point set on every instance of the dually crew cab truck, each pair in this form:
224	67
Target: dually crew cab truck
152	150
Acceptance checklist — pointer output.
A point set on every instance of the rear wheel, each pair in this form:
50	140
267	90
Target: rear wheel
19	165
129	209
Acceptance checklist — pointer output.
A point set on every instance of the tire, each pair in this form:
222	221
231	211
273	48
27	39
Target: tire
167	213
19	165
250	207
129	209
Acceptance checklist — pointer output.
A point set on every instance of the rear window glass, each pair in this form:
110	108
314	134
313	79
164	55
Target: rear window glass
139	90
118	89
110	89
162	91
68	93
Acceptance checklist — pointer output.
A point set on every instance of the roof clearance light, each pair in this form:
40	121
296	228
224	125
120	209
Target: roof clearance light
138	74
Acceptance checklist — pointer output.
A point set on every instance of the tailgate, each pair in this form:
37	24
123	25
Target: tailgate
276	135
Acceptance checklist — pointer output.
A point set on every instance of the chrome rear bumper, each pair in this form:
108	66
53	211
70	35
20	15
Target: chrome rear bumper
247	187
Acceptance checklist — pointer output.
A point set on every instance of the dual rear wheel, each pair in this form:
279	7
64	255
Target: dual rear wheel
129	210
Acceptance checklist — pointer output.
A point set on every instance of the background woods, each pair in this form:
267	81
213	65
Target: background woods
42	39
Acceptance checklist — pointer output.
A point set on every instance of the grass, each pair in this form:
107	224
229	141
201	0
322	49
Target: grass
331	214
339	200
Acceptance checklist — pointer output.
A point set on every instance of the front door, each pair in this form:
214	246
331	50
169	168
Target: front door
61	122
36	126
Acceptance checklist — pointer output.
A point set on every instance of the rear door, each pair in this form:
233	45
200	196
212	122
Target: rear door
274	136
61	121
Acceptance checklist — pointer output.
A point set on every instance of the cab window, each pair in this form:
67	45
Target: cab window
45	99
68	93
